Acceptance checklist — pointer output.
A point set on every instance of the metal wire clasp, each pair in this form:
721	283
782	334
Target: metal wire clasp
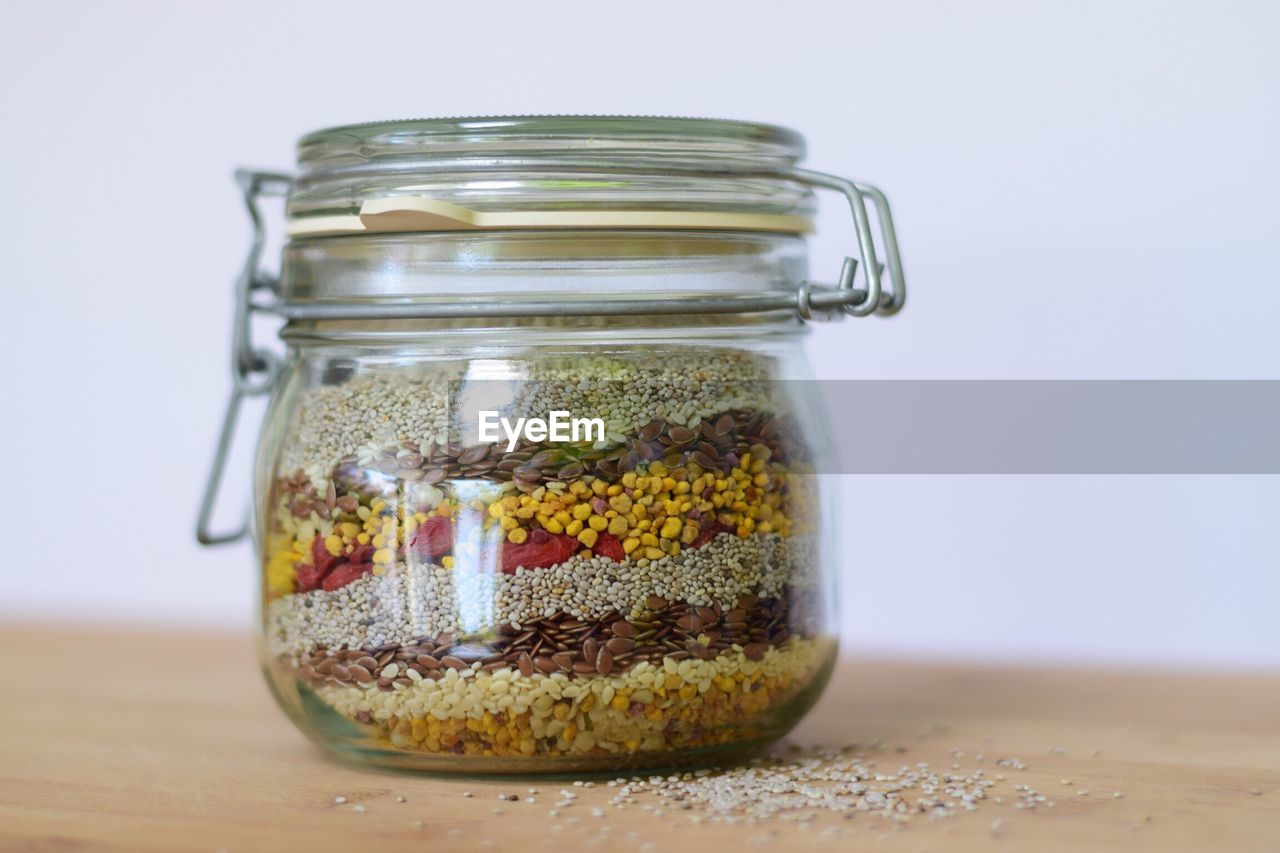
254	370
874	298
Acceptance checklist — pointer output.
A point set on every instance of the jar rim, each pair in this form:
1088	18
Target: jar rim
671	134
522	172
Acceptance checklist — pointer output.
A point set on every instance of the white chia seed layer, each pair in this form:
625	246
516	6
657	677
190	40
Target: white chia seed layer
423	404
336	421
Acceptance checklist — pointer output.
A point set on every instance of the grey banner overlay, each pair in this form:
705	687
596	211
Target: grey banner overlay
1052	427
928	426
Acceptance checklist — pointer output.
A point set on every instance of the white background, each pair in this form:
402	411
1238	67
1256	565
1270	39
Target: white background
1082	190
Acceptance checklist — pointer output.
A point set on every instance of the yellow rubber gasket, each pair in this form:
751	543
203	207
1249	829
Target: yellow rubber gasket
418	213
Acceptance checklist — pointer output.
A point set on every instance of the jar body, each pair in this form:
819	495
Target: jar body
649	586
541	483
655	597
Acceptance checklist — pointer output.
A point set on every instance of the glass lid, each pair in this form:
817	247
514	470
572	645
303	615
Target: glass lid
525	172
654	136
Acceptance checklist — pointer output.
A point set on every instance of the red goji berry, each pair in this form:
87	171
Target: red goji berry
309	578
322	562
434	538
608	545
711	531
533	554
320	556
345	574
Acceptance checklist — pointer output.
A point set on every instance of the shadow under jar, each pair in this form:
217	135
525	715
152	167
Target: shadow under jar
647	579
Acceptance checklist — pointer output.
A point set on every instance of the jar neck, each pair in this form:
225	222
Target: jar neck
587	270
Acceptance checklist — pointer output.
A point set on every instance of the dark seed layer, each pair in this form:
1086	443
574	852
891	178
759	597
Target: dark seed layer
561	643
717	444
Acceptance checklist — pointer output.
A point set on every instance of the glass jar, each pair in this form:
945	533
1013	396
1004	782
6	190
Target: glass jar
640	572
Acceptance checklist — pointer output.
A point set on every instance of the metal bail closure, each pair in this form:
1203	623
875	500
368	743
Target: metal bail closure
254	371
874	299
807	300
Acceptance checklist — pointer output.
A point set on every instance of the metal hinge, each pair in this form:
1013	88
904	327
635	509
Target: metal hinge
254	370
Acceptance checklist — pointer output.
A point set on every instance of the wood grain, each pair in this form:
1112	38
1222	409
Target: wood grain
150	741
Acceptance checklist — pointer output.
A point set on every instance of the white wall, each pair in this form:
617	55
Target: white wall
1082	190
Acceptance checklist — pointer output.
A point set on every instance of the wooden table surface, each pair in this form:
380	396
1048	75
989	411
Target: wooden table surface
142	741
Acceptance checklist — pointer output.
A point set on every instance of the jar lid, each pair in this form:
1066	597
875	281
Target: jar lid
548	172
522	174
